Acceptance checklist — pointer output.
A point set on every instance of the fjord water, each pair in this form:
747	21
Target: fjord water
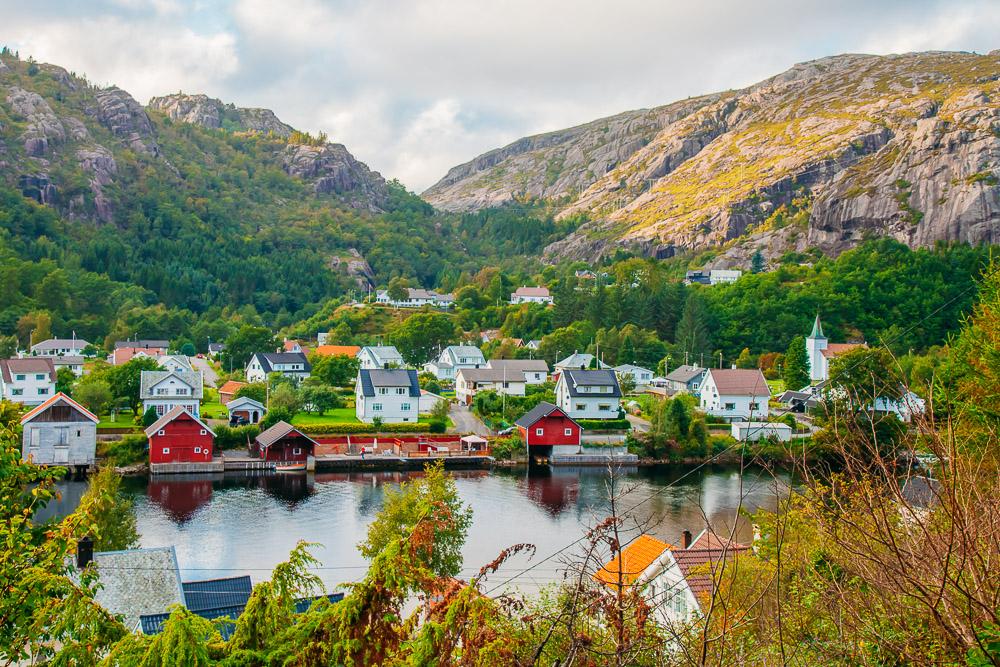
230	525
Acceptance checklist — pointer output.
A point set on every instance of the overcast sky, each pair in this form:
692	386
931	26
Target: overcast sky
413	87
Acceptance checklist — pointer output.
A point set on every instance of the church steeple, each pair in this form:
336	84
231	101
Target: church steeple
817	331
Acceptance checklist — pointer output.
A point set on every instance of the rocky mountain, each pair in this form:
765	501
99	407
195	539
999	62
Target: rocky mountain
825	154
62	142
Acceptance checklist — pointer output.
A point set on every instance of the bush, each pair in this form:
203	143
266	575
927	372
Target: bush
351	427
235	438
131	449
504	449
604	424
721	443
437	426
149	417
275	415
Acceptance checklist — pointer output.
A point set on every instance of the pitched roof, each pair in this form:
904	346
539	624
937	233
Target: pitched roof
492	374
532	291
383	352
817	331
231	387
921	492
629	368
171	415
697	564
142	344
269	359
394	377
739	382
277	432
524	365
685	373
215	593
149	379
457	351
595	378
837	349
135	582
216	347
178	359
11	367
68	360
577	360
237	403
60	344
543	409
59	398
338	350
632	561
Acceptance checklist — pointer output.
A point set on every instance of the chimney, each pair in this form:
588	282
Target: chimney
84	552
685	539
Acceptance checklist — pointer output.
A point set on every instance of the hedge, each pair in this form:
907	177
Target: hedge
351	427
604	424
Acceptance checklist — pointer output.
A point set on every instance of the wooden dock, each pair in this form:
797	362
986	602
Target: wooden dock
215	465
593	459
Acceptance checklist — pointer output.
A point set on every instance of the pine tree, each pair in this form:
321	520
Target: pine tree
796	371
757	264
692	331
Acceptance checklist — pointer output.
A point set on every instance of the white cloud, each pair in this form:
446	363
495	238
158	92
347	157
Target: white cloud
415	86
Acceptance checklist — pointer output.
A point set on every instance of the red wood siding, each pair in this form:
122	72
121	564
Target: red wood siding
553	431
181	437
284	449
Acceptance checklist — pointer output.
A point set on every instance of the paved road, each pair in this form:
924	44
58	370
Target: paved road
211	377
639	425
465	421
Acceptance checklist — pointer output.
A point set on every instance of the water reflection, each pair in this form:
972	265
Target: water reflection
181	496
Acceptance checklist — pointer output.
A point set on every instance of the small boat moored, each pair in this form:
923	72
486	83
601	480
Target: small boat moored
295	466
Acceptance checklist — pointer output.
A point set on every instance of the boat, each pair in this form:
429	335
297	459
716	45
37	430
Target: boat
299	466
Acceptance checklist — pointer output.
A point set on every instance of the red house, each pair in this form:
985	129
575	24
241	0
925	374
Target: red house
547	426
283	442
179	437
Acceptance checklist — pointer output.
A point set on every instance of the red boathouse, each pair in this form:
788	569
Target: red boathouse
283	442
547	426
179	437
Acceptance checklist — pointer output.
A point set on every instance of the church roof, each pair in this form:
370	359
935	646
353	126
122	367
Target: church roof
817	331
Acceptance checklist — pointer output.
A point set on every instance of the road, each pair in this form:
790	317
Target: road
211	377
465	421
639	425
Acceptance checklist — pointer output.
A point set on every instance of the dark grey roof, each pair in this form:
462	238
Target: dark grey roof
215	593
594	378
142	344
685	373
149	379
60	344
371	378
136	582
543	409
269	359
921	492
216	347
524	365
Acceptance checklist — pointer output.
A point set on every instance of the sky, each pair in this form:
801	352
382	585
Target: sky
415	87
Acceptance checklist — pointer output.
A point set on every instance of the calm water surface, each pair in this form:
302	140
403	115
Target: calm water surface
229	525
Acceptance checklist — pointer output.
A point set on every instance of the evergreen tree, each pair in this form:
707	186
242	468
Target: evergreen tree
796	370
757	264
692	331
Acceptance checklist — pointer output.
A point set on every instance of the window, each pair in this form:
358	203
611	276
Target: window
539	431
16	392
161	391
39	376
296	451
581	406
405	407
166	450
160	432
604	407
197	450
400	391
43	391
383	390
730	406
376	407
568	431
203	432
20	378
182	391
160	410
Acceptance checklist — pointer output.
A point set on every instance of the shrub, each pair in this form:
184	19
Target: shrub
504	449
604	424
149	417
235	438
437	426
721	443
131	449
275	415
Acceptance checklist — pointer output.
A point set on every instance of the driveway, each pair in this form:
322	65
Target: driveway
211	377
639	425
467	422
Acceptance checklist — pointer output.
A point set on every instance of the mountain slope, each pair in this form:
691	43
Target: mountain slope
825	154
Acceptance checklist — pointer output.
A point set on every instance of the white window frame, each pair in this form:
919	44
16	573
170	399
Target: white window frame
197	450
568	431
296	451
539	431
203	432
376	407
161	432
166	450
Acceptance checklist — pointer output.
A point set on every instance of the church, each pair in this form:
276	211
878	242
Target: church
819	352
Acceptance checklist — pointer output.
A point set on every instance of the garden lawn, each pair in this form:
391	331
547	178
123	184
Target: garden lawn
336	416
214	410
123	419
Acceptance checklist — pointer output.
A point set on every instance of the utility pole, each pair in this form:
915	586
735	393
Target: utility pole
720	359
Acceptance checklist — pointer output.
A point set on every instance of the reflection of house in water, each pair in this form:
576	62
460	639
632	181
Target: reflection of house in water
181	496
554	489
289	489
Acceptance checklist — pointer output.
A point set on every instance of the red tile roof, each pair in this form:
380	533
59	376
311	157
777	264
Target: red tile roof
700	565
636	557
837	349
231	387
10	367
739	382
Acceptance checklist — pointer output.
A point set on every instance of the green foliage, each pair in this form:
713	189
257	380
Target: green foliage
403	509
125	380
505	449
437	426
95	395
275	415
692	339
795	371
65	379
319	399
358	427
242	344
421	335
114	529
188	350
604	424
149	417
336	370
130	450
254	390
757	263
286	399
240	437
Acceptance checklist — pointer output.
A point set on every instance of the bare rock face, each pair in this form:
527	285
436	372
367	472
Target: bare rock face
125	118
100	164
333	170
356	267
44	127
37	187
213	114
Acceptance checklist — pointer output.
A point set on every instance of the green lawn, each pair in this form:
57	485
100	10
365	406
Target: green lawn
123	419
776	386
337	416
214	410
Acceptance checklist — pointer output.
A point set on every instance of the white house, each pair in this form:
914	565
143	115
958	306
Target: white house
29	381
735	394
380	356
906	407
640	376
686	378
454	358
675	581
471	381
165	390
290	364
819	352
531	295
416	298
753	431
393	395
74	362
60	431
175	362
720	276
536	371
587	394
57	347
